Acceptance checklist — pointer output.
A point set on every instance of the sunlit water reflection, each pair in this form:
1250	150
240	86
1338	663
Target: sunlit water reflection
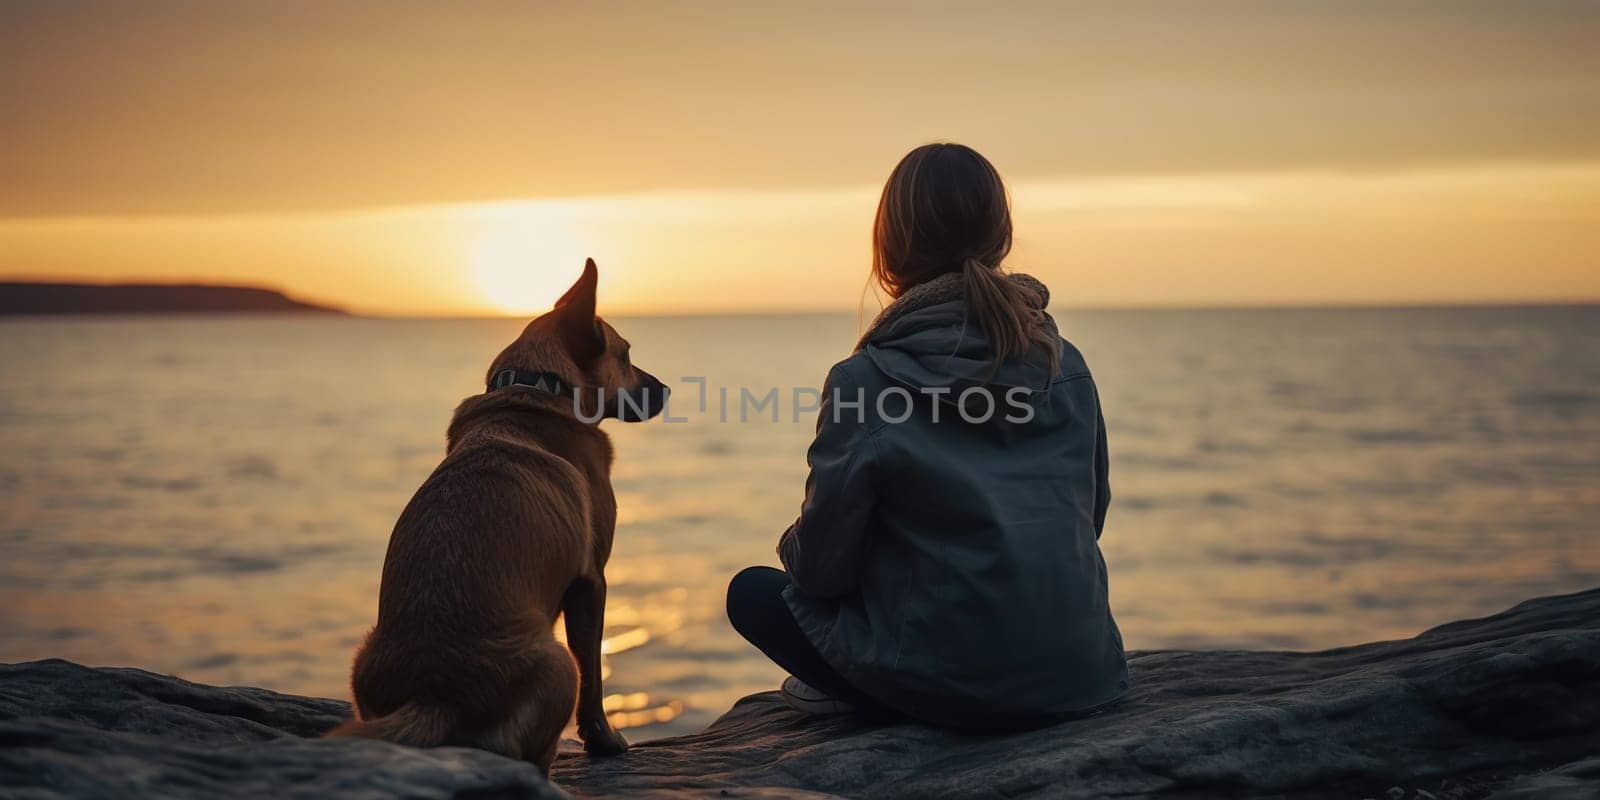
212	496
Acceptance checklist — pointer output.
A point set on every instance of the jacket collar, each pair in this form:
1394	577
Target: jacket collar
943	289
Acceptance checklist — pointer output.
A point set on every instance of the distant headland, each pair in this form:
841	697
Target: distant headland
20	298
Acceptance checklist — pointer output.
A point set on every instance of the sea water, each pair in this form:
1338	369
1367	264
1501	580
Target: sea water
211	496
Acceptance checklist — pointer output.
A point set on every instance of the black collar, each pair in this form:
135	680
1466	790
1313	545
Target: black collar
543	381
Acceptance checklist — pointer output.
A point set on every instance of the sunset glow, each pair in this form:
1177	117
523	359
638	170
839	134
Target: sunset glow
1487	234
522	260
456	162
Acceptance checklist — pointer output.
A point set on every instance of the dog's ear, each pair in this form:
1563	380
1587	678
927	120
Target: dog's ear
576	309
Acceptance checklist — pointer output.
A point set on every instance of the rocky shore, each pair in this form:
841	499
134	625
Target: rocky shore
1507	706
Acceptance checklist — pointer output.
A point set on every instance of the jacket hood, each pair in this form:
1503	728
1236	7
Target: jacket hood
925	339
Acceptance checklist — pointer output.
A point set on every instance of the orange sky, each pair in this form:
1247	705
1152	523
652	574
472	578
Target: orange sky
421	158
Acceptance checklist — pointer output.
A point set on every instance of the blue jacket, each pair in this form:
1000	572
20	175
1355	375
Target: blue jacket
951	569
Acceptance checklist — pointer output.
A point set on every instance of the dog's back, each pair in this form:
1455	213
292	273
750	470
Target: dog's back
463	652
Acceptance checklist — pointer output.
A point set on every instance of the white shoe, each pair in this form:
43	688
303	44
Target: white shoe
801	697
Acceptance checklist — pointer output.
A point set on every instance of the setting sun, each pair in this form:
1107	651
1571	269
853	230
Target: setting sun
524	256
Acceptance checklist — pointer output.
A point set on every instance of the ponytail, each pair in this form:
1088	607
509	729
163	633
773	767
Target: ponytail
1010	323
943	200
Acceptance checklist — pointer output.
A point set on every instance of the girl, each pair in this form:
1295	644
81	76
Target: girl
945	565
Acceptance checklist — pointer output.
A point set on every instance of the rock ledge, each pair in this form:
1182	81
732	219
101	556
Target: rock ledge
1507	706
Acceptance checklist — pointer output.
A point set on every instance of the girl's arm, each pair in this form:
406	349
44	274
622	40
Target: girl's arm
823	549
1102	470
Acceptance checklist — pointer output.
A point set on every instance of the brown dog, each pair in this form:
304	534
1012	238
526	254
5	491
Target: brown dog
514	526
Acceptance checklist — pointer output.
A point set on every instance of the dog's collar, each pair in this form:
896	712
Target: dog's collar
548	382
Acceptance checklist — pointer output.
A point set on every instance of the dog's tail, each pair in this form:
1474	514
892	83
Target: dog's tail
411	724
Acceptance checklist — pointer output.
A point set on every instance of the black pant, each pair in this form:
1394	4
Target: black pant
758	612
